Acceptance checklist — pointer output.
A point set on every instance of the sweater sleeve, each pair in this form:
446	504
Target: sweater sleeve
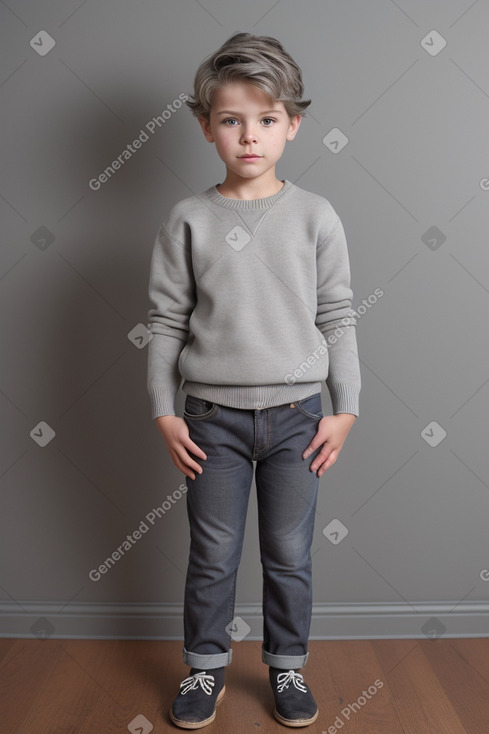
337	321
172	295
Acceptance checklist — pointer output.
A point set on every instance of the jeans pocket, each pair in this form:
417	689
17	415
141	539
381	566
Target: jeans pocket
311	406
198	409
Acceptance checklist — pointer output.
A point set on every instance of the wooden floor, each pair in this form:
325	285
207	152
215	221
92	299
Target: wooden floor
438	686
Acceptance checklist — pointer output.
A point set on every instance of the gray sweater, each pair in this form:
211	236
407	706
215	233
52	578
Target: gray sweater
251	303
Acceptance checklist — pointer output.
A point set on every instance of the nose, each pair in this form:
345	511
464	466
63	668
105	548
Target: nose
248	135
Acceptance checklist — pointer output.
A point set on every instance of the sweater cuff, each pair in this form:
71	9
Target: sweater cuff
344	398
161	401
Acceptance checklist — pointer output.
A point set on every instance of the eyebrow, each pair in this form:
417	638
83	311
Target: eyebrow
265	112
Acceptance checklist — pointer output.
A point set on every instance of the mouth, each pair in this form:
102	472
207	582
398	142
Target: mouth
250	156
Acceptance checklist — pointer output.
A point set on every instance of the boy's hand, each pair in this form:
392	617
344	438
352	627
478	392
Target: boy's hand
175	432
332	432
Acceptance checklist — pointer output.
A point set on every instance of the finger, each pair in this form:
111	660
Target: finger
316	442
189	444
188	472
322	457
182	467
187	463
320	437
328	463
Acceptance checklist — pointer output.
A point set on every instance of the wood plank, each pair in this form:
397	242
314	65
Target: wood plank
141	676
339	672
421	702
64	698
464	686
65	686
25	666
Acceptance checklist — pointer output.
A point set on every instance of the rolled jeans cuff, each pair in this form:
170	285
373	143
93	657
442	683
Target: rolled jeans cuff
285	662
207	662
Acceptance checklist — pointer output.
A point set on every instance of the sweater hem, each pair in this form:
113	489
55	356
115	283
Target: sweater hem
251	397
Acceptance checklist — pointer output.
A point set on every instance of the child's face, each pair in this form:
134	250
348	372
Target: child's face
244	121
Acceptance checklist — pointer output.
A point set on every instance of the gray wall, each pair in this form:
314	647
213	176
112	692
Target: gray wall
411	186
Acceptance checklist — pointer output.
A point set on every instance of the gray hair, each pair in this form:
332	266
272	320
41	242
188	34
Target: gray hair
260	60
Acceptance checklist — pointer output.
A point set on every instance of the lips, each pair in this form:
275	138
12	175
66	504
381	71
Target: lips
251	155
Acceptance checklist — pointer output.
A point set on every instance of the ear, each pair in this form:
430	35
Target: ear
206	128
294	126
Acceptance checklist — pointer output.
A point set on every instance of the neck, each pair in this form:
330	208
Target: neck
248	189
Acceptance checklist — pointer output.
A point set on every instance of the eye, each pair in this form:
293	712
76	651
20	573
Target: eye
230	120
269	120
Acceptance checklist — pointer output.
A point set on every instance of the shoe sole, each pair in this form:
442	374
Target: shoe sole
198	724
295	722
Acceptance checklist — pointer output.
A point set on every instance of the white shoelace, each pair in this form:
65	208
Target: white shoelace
206	682
285	679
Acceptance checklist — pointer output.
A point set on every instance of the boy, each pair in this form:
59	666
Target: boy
250	284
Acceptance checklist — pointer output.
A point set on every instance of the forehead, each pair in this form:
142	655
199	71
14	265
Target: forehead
242	94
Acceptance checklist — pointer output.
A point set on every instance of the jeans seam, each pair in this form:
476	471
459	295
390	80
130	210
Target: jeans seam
266	447
232	599
202	416
301	409
314	416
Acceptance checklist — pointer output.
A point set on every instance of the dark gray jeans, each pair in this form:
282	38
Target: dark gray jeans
217	502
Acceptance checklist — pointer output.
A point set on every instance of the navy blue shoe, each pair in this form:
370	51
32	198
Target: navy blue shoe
294	702
195	704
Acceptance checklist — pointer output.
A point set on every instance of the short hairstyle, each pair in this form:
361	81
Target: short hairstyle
260	60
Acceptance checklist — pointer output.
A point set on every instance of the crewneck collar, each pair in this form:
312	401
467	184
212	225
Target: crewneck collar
264	203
